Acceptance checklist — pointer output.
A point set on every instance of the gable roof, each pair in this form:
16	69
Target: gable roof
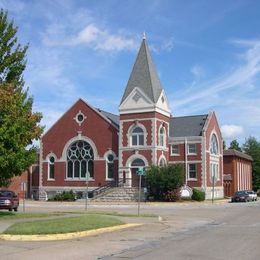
109	117
144	76
114	119
187	125
233	152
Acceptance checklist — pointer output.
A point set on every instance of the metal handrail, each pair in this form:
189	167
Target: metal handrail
109	185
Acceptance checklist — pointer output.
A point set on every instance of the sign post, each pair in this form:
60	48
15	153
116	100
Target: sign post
140	172
86	197
23	184
213	187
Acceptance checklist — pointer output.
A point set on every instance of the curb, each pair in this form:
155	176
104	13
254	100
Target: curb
66	236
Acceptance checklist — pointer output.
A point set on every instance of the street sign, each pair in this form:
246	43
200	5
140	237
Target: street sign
141	171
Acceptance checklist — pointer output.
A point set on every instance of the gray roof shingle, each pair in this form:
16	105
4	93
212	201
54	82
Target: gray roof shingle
114	119
233	152
144	76
187	125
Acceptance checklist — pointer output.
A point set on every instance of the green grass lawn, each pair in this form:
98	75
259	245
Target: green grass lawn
20	215
63	225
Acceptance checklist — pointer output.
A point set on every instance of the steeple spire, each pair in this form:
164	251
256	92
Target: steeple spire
144	75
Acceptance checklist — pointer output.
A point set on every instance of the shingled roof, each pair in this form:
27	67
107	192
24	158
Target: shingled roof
114	119
233	152
144	76
187	125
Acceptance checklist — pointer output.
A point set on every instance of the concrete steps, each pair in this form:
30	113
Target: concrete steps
118	194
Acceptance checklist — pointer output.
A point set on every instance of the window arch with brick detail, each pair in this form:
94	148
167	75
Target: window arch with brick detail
110	166
51	167
214	145
162	136
80	160
137	136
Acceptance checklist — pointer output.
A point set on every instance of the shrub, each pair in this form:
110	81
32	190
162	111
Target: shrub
164	182
64	196
172	195
198	195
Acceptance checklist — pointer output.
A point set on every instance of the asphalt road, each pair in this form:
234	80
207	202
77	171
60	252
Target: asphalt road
187	231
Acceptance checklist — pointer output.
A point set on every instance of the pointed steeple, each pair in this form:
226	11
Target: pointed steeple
144	76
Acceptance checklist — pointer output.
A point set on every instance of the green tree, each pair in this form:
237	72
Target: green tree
235	145
19	125
164	182
252	148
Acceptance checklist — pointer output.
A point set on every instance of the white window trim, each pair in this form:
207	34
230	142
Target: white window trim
48	161
163	135
130	132
175	154
192	179
189	153
213	133
217	166
109	179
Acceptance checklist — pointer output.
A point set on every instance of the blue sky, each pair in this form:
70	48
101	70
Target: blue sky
207	55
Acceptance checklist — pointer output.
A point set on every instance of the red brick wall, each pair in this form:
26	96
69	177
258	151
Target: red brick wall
94	127
214	127
145	119
230	167
16	184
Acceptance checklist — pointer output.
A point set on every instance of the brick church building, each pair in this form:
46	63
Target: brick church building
110	148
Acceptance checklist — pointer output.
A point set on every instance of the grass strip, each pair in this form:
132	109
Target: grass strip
21	215
119	214
63	225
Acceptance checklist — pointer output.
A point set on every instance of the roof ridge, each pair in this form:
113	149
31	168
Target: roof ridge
106	111
146	56
190	116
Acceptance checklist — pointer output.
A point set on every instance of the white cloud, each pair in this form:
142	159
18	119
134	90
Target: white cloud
237	79
232	131
94	37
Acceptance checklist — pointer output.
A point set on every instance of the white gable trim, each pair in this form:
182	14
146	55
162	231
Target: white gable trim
134	98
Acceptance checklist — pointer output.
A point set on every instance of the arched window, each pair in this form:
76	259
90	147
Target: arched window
162	162
162	139
110	166
51	167
214	145
80	160
137	136
137	163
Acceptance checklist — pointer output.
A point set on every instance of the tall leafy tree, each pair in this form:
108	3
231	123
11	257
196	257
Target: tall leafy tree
19	125
252	147
235	145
